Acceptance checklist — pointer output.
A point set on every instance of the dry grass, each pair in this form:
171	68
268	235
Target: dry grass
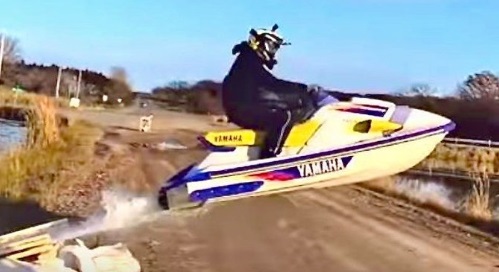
26	99
42	125
464	158
477	204
37	169
450	152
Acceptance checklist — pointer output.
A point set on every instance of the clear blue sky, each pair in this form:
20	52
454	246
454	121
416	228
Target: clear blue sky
355	45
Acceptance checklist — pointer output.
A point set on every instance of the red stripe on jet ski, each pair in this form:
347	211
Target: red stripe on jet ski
274	176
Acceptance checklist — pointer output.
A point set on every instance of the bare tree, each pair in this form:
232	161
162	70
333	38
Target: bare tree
484	85
11	50
178	84
119	74
418	89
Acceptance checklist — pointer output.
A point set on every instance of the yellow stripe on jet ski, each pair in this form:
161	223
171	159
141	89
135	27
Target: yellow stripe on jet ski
301	133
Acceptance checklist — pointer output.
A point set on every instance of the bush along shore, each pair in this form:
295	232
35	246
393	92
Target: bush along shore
54	160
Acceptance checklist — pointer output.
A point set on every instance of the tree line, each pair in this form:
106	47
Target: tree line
42	79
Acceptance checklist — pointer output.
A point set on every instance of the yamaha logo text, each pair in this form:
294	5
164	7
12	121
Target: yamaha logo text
322	166
229	138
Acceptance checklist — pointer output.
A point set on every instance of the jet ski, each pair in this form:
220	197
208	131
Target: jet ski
342	142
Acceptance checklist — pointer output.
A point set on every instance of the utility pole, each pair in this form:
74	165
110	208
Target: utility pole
2	49
79	84
58	84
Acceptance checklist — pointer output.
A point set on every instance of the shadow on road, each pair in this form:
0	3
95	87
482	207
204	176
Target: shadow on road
19	215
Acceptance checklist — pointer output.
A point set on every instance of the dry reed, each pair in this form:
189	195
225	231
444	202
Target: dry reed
41	123
477	204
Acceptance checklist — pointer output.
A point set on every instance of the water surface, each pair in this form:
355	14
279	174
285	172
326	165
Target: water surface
12	133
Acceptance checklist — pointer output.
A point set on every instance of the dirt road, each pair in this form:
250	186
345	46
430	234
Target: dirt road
334	229
129	118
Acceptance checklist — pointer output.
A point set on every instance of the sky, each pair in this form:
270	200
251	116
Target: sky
355	46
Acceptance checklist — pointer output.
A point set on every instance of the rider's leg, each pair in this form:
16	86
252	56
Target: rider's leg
246	118
277	124
280	117
280	122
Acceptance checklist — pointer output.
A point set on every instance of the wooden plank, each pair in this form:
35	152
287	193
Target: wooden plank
50	255
31	252
34	242
32	231
25	244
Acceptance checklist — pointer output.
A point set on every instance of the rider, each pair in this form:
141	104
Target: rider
254	99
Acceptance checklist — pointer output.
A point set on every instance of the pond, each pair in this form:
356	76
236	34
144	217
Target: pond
12	133
19	214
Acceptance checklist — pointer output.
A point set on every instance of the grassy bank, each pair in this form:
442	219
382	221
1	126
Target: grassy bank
10	99
52	158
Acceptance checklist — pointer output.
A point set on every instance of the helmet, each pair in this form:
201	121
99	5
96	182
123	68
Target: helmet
266	43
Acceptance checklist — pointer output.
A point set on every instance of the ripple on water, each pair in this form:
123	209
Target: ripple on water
11	134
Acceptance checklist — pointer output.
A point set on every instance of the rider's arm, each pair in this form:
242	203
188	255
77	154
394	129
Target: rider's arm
280	85
289	86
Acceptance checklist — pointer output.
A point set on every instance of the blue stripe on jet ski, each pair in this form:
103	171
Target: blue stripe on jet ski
228	190
201	176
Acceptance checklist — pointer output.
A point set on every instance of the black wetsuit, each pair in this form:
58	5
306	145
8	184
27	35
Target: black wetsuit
254	99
